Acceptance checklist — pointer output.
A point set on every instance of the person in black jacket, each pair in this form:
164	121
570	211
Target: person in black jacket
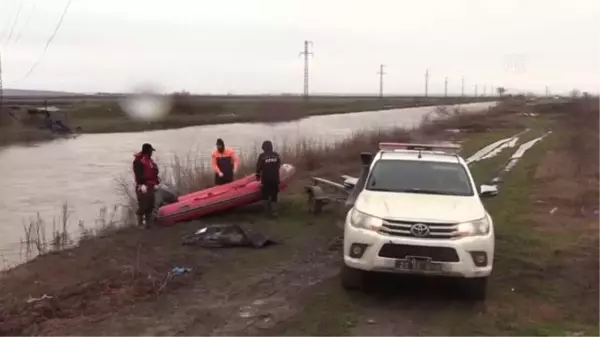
267	171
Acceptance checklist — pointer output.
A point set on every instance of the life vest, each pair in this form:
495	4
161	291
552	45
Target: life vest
150	169
224	162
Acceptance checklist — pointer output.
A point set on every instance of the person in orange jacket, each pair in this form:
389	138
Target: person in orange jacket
224	163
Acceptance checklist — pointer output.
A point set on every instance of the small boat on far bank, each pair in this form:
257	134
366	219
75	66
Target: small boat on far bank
243	191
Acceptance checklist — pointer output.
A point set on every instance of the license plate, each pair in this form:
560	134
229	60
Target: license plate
418	264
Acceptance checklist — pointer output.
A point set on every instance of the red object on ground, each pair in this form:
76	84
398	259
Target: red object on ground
216	199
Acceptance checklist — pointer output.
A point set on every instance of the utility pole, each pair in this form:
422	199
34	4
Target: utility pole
381	73
547	89
446	87
475	90
1	89
426	82
484	90
306	53
462	88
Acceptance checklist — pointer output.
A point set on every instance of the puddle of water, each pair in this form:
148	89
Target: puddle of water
512	142
495	148
514	159
524	147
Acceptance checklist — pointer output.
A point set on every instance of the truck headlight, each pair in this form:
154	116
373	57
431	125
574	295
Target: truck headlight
473	228
363	220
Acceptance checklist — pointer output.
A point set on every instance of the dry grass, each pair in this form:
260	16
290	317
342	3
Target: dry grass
563	223
577	156
497	117
37	241
187	174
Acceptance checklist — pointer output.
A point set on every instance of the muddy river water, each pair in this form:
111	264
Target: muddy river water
82	172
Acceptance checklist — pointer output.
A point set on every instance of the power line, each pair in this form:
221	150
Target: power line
8	22
26	24
49	41
14	24
306	53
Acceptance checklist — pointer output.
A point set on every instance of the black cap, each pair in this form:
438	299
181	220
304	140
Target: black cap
220	142
147	148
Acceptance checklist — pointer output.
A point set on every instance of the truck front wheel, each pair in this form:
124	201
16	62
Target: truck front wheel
352	279
476	288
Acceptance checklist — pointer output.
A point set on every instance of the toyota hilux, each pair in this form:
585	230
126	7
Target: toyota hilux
418	212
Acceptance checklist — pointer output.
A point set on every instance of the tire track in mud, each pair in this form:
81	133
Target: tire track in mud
278	299
270	298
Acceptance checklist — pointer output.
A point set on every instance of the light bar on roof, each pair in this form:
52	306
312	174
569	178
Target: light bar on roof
421	147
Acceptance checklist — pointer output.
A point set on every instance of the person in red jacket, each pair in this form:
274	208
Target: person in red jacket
224	163
146	180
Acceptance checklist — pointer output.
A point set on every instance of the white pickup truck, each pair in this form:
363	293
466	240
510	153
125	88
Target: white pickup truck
419	212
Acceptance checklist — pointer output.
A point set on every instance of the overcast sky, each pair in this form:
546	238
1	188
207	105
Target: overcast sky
252	46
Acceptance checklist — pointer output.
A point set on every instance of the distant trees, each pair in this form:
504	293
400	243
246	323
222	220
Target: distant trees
501	90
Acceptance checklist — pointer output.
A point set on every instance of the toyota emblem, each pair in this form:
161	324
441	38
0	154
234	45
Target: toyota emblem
419	230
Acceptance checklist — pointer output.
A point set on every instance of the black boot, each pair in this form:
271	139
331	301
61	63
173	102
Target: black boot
140	220
274	208
149	220
267	207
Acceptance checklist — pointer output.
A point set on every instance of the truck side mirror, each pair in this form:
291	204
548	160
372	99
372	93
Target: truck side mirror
366	158
488	191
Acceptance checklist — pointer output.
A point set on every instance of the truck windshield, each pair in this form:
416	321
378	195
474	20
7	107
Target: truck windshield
419	177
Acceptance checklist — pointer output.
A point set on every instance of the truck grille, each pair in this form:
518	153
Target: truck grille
439	254
402	228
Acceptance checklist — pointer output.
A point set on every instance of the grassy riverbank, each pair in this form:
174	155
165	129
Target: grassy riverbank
106	115
117	283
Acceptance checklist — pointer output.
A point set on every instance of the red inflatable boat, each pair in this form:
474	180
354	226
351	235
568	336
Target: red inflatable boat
216	199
